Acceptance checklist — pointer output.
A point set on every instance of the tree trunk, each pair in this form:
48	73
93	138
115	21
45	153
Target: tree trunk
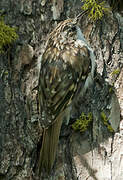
96	154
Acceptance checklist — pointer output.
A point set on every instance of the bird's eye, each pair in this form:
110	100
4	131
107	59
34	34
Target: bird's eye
69	27
66	28
73	28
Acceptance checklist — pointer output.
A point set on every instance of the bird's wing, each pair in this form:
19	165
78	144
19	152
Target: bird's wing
56	88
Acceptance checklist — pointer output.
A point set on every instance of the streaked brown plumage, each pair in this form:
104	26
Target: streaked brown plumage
65	64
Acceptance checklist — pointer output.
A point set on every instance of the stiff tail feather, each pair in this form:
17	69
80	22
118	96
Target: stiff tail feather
49	146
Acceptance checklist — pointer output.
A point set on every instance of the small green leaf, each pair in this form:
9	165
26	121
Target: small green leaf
83	122
96	9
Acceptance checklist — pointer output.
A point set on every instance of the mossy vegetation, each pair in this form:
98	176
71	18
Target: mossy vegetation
106	122
83	122
115	72
110	90
7	35
96	8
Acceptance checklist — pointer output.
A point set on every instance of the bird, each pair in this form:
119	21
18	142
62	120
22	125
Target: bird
67	69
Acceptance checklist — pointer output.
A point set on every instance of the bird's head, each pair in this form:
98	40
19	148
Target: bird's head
71	24
68	27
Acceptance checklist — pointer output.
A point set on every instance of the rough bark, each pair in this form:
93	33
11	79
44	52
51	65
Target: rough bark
96	154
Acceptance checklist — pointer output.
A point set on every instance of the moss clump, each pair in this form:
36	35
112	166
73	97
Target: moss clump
83	122
106	122
115	72
7	35
110	90
96	8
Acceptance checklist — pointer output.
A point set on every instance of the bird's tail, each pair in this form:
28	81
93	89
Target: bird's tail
49	146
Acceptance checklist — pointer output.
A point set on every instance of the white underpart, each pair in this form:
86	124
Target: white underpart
66	116
81	41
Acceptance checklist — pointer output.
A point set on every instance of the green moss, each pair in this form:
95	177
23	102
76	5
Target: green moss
115	72
110	90
7	35
96	8
83	122
106	122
